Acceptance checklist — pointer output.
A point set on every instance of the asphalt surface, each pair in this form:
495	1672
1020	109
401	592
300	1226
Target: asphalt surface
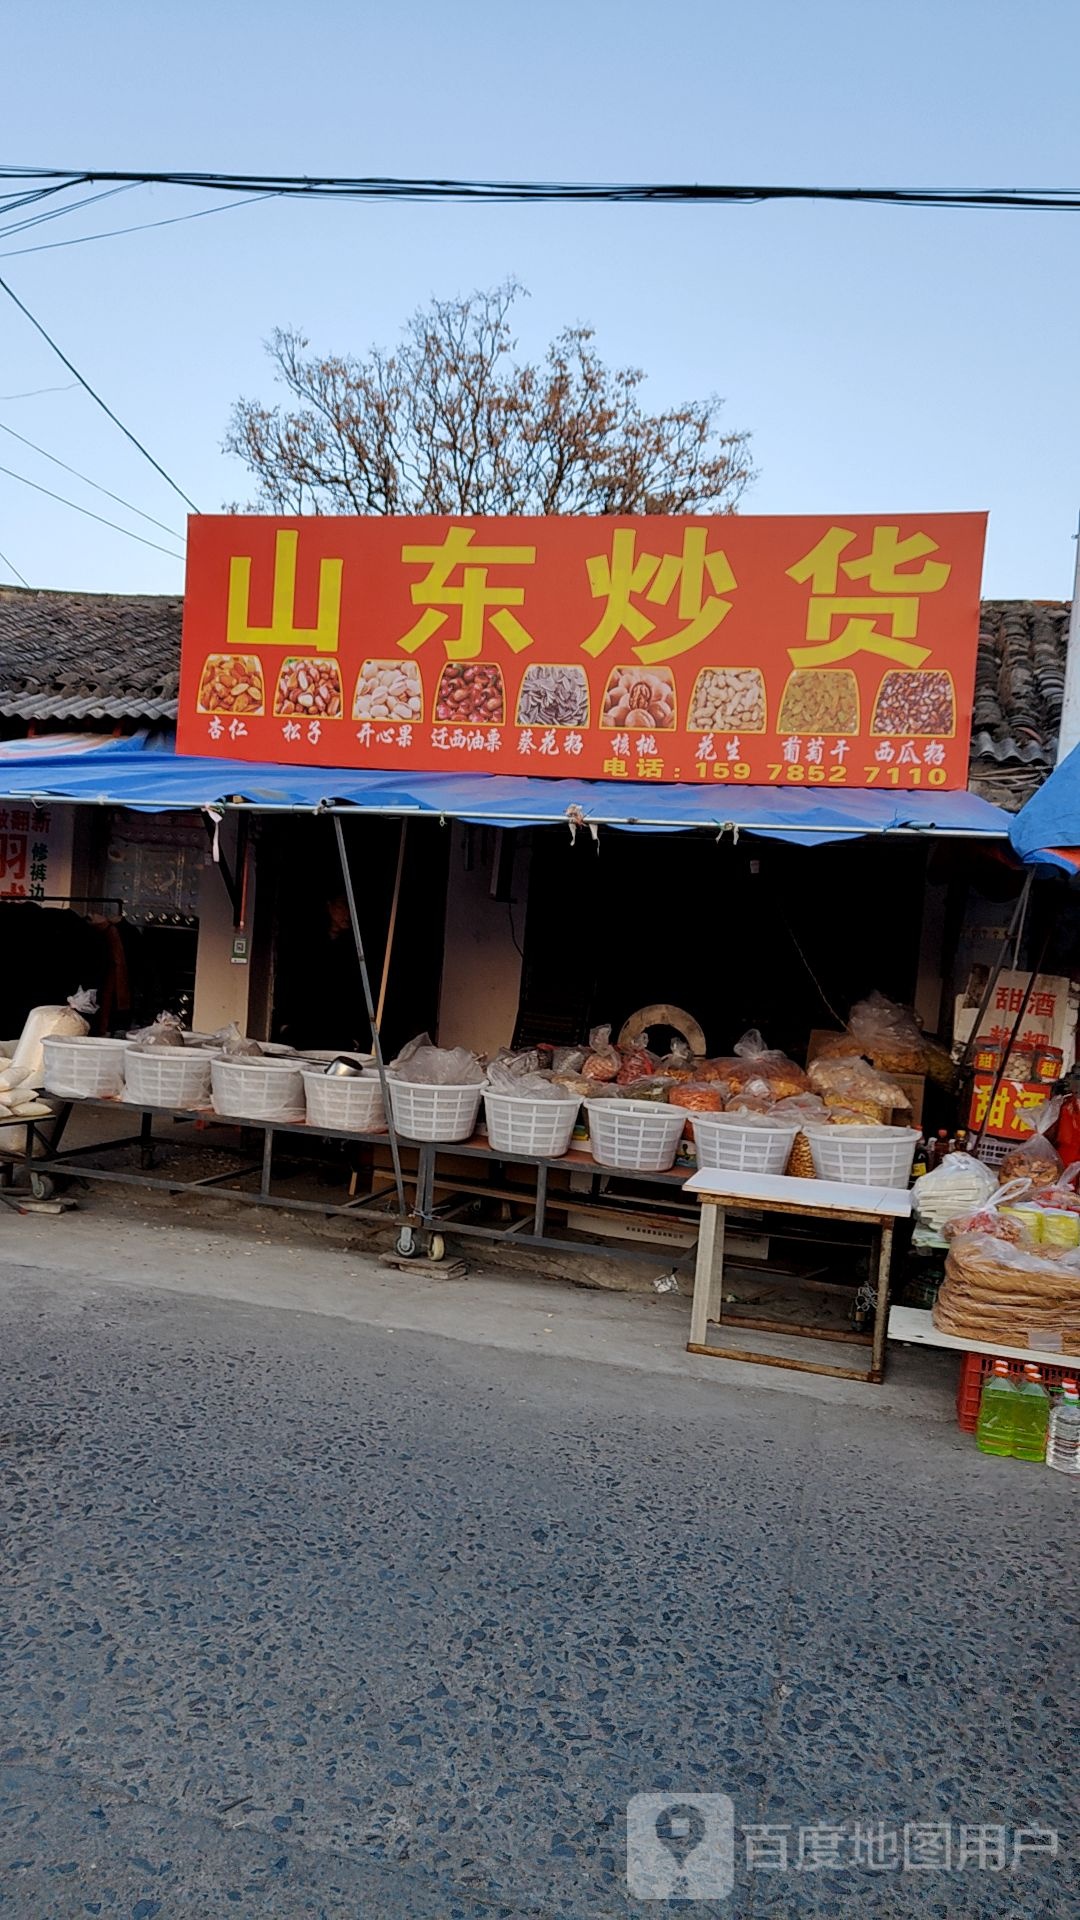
308	1618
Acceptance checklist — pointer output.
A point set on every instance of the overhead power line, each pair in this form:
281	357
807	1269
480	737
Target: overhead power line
383	187
126	431
143	226
87	482
12	568
117	528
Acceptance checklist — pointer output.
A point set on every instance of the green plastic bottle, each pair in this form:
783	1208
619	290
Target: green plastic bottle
998	1408
1032	1418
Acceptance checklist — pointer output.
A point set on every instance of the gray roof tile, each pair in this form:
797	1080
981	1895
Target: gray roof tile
101	656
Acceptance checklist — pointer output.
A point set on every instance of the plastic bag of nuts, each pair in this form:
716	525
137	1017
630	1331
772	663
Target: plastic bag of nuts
309	688
471	692
232	683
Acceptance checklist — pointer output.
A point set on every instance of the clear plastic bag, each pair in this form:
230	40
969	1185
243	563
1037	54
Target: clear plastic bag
959	1185
753	1060
851	1083
568	1060
422	1064
602	1062
995	1290
636	1064
512	1074
802	1107
1062	1194
166	1031
697	1096
889	1033
754	1096
234	1043
679	1064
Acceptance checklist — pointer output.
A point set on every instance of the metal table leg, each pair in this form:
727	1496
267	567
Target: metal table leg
881	1305
146	1142
541	1199
267	1162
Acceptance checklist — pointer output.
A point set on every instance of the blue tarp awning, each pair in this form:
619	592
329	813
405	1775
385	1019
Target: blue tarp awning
147	779
1047	830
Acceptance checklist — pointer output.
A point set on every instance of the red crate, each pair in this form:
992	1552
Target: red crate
976	1367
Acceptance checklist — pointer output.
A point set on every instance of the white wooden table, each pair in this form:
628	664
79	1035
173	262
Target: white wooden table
721	1193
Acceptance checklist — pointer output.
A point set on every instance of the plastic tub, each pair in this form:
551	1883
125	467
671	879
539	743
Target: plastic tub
434	1113
84	1067
167	1076
640	1136
728	1140
863	1156
349	1104
250	1089
518	1124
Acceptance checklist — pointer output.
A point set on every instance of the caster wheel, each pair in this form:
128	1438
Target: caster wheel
41	1187
406	1244
437	1248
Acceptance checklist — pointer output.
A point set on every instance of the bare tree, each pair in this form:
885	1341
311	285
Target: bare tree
451	423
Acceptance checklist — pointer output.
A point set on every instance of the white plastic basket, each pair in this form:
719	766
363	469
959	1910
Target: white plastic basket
167	1076
350	1104
728	1140
640	1136
84	1067
250	1089
434	1113
518	1124
863	1156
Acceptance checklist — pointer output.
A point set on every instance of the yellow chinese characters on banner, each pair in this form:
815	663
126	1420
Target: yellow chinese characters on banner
695	649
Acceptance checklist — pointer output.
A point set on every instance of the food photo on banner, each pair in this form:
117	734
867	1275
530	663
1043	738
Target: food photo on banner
768	651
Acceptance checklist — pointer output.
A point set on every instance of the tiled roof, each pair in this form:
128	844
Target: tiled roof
1019	683
88	656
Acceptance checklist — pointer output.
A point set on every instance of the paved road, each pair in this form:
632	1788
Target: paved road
308	1618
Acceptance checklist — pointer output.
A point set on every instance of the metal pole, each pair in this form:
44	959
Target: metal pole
376	1041
1069	731
1017	1024
394	904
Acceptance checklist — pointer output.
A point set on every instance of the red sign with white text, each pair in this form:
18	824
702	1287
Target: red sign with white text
788	651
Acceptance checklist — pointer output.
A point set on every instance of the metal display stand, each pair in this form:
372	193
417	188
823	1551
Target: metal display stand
438	1195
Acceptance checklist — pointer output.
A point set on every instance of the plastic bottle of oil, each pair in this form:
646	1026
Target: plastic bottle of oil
1032	1418
998	1406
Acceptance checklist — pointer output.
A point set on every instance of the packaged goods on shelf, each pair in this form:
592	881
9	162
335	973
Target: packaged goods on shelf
995	1290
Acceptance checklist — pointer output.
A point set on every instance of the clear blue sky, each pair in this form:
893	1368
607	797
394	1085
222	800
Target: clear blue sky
884	358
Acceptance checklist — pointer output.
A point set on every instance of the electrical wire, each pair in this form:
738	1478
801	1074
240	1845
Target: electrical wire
12	568
126	431
120	501
145	226
33	392
69	206
117	528
385	187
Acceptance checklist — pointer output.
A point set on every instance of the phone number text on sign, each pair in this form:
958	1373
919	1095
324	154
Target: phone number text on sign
765	650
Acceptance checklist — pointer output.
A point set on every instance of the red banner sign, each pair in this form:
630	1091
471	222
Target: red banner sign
801	651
